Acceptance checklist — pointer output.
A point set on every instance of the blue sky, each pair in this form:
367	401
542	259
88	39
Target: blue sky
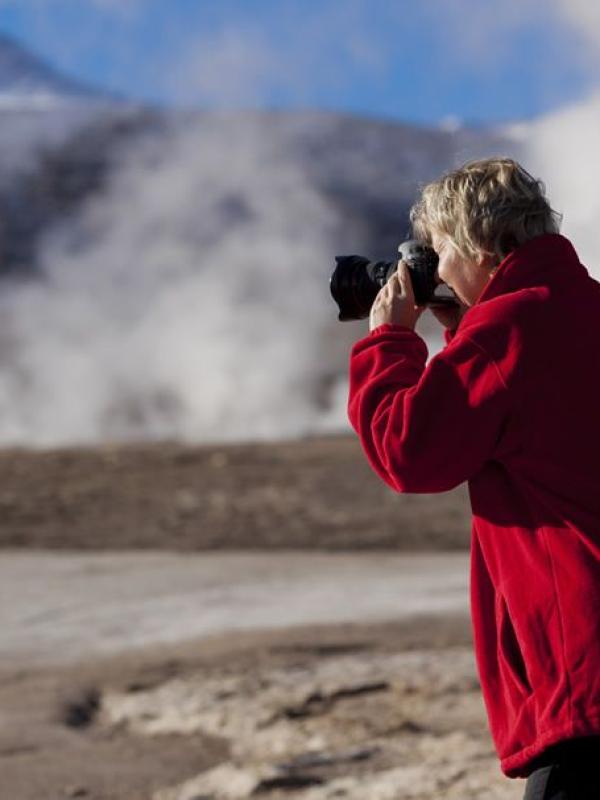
482	61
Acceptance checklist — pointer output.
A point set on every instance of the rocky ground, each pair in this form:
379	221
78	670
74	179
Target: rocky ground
384	712
316	708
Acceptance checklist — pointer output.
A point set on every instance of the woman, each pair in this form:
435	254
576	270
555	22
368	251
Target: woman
512	405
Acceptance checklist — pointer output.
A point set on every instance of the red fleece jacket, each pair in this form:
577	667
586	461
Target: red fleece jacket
511	404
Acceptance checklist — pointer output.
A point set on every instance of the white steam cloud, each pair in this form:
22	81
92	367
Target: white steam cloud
562	147
189	301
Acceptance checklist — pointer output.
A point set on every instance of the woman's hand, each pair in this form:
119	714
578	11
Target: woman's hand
395	302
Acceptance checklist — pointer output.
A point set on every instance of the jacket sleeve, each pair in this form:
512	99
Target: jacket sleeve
425	428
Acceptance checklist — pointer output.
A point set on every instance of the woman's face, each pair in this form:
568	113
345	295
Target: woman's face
467	279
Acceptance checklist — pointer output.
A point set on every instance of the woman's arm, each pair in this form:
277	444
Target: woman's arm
425	429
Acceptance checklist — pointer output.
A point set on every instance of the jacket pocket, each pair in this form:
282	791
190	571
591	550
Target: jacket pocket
510	655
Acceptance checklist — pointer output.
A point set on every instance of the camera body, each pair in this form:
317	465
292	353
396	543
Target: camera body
356	281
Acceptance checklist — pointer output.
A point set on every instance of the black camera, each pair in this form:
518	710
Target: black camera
356	281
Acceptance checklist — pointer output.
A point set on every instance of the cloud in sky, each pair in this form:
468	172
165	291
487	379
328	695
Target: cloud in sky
562	146
230	68
420	61
584	15
308	54
245	61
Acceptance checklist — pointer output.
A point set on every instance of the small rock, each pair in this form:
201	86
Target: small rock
77	791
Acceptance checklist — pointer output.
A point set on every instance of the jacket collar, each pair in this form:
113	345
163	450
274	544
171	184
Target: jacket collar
546	260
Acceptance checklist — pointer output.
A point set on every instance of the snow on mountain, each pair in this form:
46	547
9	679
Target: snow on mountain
40	108
27	82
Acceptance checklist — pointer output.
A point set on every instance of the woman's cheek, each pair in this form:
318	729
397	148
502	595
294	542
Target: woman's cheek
442	273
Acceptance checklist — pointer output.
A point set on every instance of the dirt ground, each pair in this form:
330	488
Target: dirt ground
315	493
376	710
